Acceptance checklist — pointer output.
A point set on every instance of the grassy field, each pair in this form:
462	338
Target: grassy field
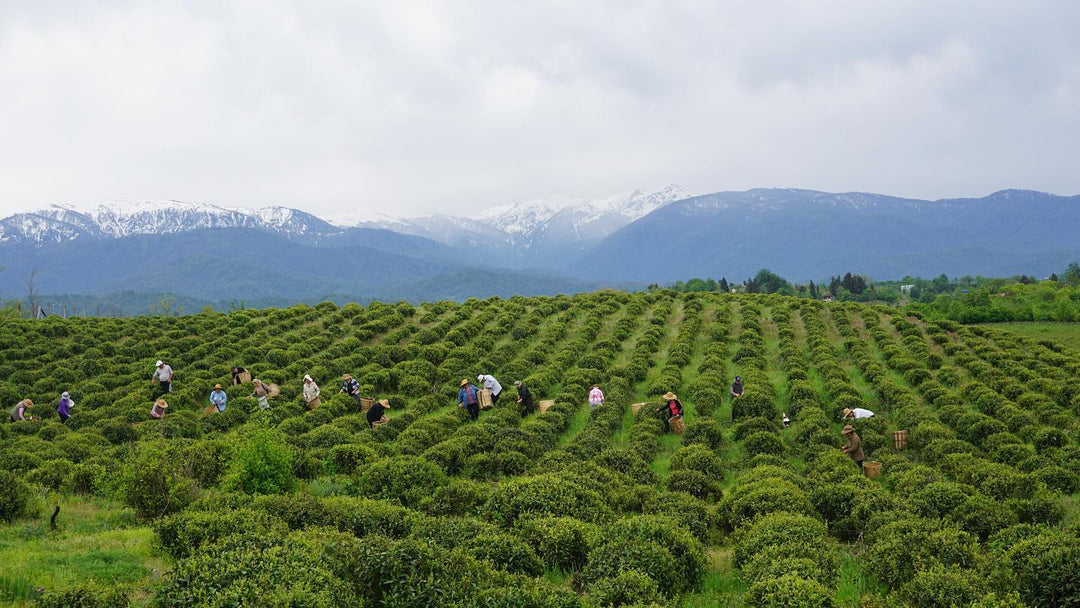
1067	334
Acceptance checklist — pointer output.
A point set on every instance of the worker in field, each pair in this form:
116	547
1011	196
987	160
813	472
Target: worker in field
239	374
157	411
163	375
19	413
311	393
350	387
525	399
218	398
261	393
469	398
853	447
857	413
737	388
672	408
63	407
489	382
596	396
376	414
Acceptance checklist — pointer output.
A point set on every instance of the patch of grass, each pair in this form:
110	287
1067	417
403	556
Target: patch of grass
722	587
1068	334
580	419
854	584
95	540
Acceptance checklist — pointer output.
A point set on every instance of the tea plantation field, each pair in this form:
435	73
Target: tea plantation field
570	507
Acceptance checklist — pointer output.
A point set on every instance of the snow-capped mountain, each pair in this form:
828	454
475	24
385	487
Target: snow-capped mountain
59	223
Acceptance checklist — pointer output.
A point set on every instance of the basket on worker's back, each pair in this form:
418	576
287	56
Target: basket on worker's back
485	399
872	469
546	404
244	377
366	403
636	407
900	439
677	425
272	390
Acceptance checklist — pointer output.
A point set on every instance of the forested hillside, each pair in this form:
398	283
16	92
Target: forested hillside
569	507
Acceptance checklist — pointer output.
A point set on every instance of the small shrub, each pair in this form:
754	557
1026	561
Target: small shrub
15	497
627	588
788	591
262	464
153	483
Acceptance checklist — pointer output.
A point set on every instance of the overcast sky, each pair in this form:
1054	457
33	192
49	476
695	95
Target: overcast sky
402	107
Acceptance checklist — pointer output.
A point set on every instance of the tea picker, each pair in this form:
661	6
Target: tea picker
737	388
376	414
489	382
263	392
63	407
311	393
525	399
596	396
857	413
18	413
163	375
157	411
673	412
350	387
218	398
853	447
469	398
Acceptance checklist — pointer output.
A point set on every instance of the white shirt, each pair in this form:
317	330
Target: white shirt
491	384
163	373
861	413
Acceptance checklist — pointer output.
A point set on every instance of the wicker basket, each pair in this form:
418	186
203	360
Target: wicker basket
636	407
380	422
677	425
244	377
485	399
872	469
366	403
900	439
273	390
314	403
546	404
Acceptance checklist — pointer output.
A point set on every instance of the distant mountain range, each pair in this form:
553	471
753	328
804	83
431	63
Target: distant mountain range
551	245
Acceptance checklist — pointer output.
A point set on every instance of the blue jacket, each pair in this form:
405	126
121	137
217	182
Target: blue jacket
218	398
467	395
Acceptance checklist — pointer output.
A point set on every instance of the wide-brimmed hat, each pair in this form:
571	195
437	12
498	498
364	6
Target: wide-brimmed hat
480	377
464	381
670	395
217	386
595	386
346	376
28	403
385	403
307	377
847	412
848	430
64	395
161	403
159	363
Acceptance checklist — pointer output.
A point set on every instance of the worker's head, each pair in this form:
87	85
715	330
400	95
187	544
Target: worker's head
161	403
847	412
738	378
670	396
65	395
217	387
480	378
596	386
385	403
464	382
346	377
28	403
848	430
307	379
257	381
517	383
160	363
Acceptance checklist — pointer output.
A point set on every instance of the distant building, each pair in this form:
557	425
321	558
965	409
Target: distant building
906	288
827	297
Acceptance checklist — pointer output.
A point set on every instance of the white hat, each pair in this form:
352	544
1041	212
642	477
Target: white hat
307	377
159	363
480	377
64	395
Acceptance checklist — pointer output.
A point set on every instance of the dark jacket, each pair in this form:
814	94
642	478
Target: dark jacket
526	399
350	386
854	447
375	412
468	395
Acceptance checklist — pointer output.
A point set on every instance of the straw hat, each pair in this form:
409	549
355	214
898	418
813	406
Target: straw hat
161	403
385	403
847	412
28	403
464	381
217	387
848	430
670	395
346	376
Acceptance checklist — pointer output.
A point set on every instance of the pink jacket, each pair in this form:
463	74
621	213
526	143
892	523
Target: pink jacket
596	396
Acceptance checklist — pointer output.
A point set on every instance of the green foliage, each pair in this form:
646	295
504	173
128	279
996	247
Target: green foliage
15	497
789	591
262	464
153	482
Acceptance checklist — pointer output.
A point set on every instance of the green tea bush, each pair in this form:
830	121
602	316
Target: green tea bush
262	464
940	587
15	497
1045	569
627	588
544	495
789	591
86	595
153	483
623	554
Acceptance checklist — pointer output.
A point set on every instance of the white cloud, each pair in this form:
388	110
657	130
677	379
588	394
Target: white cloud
452	106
